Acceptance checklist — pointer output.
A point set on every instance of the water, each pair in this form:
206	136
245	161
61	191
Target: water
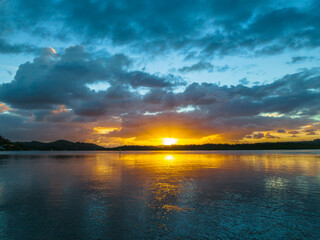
160	195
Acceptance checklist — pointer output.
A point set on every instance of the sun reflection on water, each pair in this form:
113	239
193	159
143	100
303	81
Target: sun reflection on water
172	181
169	157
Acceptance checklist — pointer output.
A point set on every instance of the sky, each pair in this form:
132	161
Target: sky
138	71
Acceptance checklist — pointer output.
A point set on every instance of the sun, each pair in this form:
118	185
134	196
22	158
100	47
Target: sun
169	141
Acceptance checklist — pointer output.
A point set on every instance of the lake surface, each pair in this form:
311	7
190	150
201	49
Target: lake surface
160	195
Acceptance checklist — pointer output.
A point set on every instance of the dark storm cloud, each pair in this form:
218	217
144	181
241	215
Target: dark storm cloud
204	28
290	95
269	31
53	79
287	95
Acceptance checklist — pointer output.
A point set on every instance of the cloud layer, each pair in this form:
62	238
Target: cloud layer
206	27
51	97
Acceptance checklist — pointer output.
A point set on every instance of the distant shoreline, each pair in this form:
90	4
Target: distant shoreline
63	145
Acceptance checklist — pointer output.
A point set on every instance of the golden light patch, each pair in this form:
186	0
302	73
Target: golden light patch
104	130
4	108
169	158
52	50
169	141
60	109
271	114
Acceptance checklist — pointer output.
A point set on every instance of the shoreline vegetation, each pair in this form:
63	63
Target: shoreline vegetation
63	145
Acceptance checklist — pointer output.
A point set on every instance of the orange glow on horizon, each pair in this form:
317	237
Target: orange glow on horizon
115	135
105	130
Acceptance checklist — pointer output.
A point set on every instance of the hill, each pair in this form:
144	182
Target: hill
7	145
60	145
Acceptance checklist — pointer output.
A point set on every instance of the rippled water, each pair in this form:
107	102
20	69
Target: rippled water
160	195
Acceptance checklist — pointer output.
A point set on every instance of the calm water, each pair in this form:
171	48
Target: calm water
166	195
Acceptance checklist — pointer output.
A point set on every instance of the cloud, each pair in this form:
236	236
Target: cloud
311	131
244	81
281	131
270	136
293	132
200	66
53	79
222	68
258	135
8	48
142	79
262	135
203	66
300	59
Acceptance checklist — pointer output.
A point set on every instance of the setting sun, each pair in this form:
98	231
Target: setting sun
169	141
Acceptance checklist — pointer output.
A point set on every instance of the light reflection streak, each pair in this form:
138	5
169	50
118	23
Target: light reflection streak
169	157
168	176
